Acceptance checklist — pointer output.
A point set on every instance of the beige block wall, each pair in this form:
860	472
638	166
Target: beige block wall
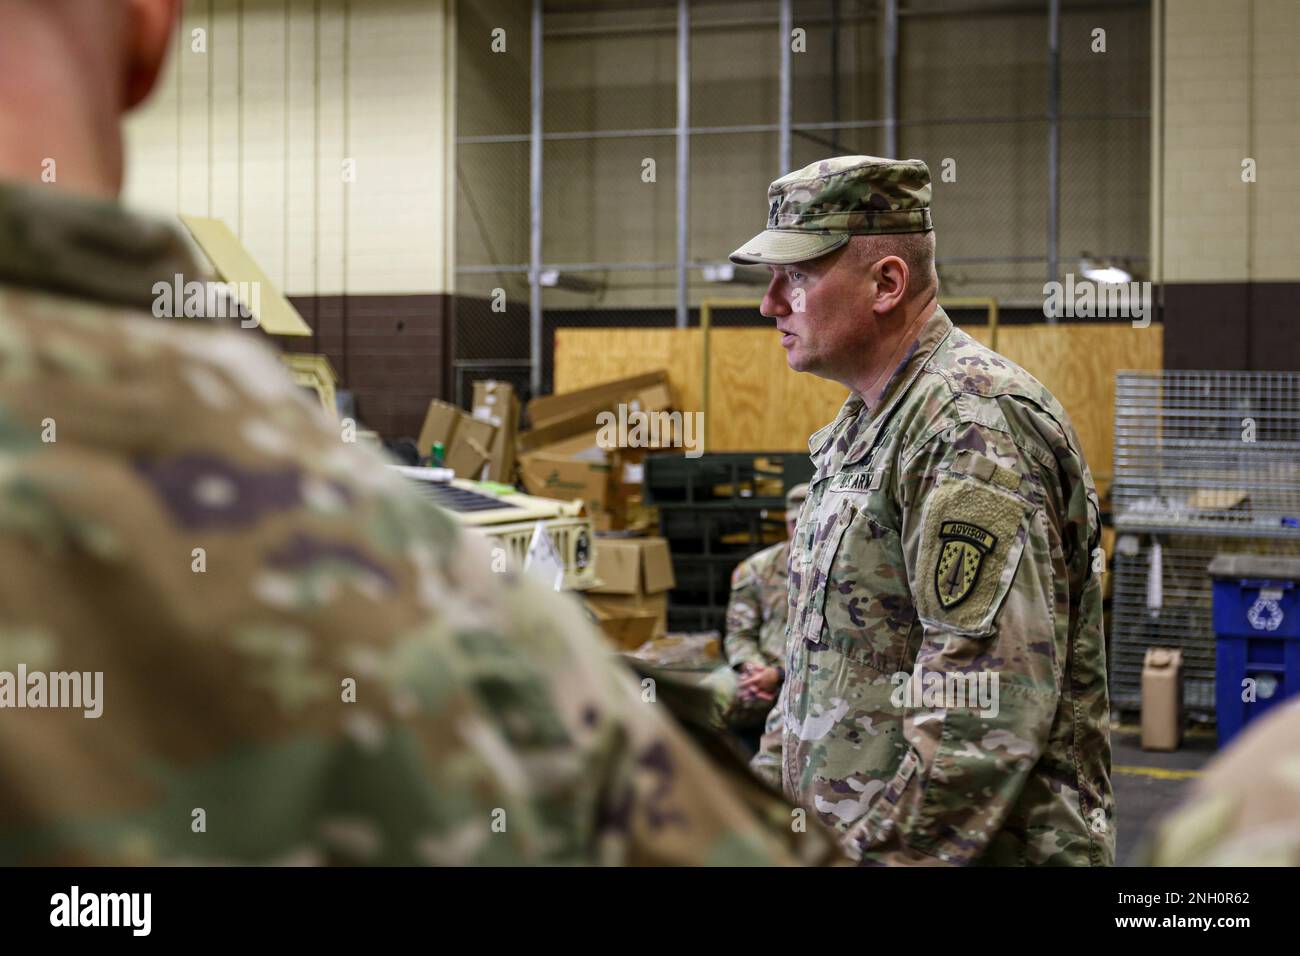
1231	91
255	132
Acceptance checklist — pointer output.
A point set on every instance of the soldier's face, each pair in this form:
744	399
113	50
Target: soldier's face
823	311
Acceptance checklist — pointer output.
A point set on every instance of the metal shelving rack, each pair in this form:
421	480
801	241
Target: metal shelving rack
715	511
1205	462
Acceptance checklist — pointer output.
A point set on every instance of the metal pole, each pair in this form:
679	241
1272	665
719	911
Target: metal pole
784	162
1053	140
683	158
835	71
889	88
535	206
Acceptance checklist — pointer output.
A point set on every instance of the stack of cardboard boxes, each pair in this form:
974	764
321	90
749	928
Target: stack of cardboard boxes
567	455
631	601
480	445
496	404
564	456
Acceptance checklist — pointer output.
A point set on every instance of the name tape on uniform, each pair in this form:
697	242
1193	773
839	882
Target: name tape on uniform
856	481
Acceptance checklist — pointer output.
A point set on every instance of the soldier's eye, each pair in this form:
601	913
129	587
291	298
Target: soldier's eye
796	276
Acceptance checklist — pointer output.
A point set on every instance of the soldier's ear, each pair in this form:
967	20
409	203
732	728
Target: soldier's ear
890	277
148	35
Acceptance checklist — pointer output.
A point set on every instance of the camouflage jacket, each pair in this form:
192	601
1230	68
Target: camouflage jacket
1245	808
945	697
299	659
756	611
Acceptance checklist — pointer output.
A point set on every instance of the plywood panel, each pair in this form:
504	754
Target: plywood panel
757	403
1078	363
586	357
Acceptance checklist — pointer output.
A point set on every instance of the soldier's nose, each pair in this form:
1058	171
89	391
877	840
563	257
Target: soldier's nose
774	305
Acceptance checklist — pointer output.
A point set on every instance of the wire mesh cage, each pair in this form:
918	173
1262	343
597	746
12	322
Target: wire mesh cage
1208	452
1206	462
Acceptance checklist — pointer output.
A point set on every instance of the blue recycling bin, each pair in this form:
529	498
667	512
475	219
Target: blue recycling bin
1257	636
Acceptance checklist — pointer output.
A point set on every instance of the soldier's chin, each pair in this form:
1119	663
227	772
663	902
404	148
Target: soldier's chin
797	361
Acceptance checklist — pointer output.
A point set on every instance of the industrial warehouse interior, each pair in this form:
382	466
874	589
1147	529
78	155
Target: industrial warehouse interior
651	432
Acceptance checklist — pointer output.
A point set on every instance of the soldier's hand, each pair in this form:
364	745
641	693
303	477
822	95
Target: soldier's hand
761	682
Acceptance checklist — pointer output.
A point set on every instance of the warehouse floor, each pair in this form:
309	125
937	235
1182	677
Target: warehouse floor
1148	783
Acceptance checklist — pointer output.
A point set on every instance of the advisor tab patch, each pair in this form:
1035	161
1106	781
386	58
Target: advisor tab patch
971	536
958	567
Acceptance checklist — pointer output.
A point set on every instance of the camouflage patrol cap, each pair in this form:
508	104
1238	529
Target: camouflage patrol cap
814	210
796	495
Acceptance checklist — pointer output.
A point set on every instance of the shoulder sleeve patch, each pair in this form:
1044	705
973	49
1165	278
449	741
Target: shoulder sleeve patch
973	532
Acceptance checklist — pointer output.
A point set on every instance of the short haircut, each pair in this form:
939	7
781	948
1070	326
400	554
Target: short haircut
916	249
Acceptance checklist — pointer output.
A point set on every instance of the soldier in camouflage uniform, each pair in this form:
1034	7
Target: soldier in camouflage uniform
746	687
1244	810
302	662
946	549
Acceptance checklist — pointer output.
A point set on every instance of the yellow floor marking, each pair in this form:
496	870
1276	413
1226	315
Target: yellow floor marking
1160	773
1136	729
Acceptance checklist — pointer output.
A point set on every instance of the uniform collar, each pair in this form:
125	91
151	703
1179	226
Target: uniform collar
89	248
851	423
821	438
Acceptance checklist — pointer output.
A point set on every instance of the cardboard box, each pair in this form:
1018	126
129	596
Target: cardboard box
556	418
639	516
467	441
549	476
581	446
471	447
635	574
496	403
440	423
654	605
548	408
652	399
626	628
638	566
1162	699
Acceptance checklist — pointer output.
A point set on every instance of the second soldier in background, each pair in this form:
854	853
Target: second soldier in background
754	645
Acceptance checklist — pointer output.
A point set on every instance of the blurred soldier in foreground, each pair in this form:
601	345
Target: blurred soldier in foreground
1244	810
945	696
225	634
746	687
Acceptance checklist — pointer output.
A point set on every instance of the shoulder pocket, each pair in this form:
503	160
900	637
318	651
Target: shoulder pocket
973	533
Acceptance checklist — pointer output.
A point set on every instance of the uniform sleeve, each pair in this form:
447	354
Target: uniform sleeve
766	764
976	524
744	617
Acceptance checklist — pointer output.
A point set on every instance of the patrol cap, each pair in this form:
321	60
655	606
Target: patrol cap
814	210
796	495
